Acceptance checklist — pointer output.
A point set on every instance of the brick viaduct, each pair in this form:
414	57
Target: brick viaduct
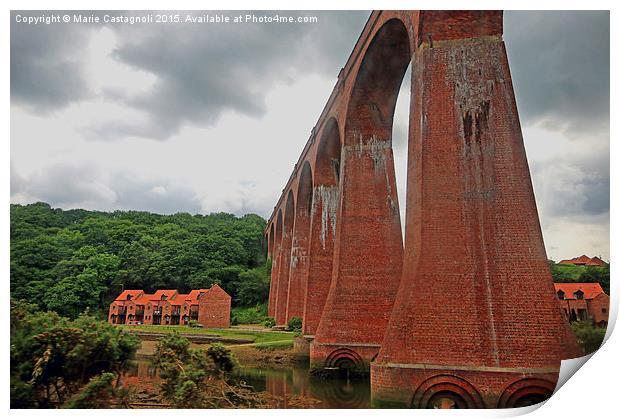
433	320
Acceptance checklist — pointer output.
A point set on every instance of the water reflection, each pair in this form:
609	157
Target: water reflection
348	393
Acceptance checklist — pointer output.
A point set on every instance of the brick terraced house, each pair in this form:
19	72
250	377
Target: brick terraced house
584	301
210	307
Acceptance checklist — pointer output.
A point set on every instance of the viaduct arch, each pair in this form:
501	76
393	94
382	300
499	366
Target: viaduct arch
431	319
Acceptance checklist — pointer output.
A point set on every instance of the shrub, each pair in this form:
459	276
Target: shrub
250	315
222	357
589	336
269	322
193	323
47	349
294	324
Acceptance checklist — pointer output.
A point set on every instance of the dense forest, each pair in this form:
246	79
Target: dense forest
70	260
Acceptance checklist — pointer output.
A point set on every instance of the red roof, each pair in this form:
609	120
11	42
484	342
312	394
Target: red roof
140	298
170	294
134	294
143	299
194	294
178	299
590	290
595	261
583	260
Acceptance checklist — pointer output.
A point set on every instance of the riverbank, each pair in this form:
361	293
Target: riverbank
265	374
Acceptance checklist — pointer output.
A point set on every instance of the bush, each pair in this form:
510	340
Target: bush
47	349
222	357
250	315
269	322
193	323
234	321
294	324
589	336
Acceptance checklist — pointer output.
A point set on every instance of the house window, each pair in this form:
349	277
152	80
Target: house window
561	295
129	297
164	297
578	294
582	314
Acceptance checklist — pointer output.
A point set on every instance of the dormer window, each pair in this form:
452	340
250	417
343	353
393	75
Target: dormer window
164	297
561	294
578	294
129	297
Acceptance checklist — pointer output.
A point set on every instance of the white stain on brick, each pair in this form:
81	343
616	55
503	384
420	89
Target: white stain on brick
327	197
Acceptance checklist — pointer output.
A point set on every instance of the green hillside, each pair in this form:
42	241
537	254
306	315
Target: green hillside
67	261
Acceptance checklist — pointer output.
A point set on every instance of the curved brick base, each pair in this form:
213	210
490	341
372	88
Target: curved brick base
356	357
410	386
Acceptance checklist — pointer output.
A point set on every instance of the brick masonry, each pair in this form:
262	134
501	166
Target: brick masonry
435	320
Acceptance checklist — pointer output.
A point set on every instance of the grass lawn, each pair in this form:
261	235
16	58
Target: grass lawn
257	336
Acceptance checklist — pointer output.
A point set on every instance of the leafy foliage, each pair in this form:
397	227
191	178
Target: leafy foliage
250	315
589	336
53	357
222	357
573	273
295	324
68	261
195	378
269	322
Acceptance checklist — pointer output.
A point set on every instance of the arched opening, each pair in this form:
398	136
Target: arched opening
446	392
323	212
299	247
369	249
285	260
275	266
446	400
526	392
400	143
345	361
373	100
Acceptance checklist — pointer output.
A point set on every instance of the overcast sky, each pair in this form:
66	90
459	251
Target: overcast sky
212	117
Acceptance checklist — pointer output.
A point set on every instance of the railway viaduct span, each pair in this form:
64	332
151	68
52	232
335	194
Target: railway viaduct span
433	320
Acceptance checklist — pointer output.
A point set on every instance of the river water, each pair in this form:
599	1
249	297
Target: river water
332	393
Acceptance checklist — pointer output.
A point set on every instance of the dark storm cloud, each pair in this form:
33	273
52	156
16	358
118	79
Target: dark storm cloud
559	62
205	70
45	72
70	186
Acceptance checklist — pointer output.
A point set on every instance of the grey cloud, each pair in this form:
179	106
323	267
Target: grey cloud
160	196
45	72
560	68
17	182
203	71
87	187
573	185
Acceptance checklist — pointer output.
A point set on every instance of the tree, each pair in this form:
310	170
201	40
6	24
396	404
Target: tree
253	286
73	295
590	337
596	274
61	259
53	357
195	378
